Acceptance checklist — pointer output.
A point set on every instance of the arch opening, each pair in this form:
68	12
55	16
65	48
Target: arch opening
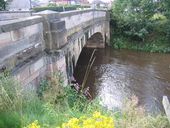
96	41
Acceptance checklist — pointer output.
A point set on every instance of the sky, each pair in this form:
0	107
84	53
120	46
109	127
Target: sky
101	0
92	0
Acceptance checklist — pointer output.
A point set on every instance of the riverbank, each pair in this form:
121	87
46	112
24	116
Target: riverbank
151	44
56	106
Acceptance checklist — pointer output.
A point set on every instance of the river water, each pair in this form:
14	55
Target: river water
119	74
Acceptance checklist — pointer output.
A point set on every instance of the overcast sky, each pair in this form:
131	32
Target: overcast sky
101	0
88	0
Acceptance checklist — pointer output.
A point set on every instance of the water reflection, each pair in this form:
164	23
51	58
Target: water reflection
118	74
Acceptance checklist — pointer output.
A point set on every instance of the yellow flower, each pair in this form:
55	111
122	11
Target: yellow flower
95	121
34	125
96	114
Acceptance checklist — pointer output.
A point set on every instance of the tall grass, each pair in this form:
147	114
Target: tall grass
10	102
53	104
133	116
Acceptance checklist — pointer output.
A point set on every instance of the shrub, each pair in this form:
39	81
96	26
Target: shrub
55	8
51	90
139	19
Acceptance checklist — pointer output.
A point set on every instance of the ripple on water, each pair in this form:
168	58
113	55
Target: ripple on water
117	75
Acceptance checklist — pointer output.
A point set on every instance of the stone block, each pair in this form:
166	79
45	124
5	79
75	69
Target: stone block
5	39
17	34
50	68
23	74
33	29
59	39
37	65
61	65
57	25
10	25
34	38
30	78
48	14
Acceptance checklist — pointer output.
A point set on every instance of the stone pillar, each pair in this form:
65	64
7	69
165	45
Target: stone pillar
54	30
55	38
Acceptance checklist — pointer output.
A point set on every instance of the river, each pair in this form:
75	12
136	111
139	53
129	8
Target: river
119	74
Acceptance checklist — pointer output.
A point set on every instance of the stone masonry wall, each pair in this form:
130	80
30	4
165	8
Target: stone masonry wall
47	42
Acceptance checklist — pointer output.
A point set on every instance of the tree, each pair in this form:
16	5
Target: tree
139	18
2	5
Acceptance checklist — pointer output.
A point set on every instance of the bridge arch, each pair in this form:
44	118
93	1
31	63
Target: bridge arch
96	41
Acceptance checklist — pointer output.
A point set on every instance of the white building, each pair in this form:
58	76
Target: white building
15	5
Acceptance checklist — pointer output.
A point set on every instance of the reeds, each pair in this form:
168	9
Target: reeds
90	64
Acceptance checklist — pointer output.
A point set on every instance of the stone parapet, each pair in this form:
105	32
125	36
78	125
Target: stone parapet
54	30
7	26
19	40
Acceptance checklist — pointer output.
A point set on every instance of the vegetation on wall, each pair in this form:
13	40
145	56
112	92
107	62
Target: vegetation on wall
141	21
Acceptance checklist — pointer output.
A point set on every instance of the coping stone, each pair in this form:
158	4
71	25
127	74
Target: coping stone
10	25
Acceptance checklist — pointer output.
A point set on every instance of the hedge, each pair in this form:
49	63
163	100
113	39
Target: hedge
59	8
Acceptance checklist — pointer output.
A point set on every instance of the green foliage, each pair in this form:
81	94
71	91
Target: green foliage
2	5
158	44
51	90
137	19
60	8
10	119
167	30
141	25
53	7
51	114
10	102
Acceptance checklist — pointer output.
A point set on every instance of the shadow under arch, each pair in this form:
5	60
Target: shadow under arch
96	41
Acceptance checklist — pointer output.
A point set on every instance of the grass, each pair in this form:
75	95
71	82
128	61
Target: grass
152	44
54	104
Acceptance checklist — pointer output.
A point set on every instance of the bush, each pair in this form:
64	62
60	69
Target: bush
157	43
139	19
55	8
141	25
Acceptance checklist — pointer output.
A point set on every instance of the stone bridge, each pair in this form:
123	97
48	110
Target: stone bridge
33	47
